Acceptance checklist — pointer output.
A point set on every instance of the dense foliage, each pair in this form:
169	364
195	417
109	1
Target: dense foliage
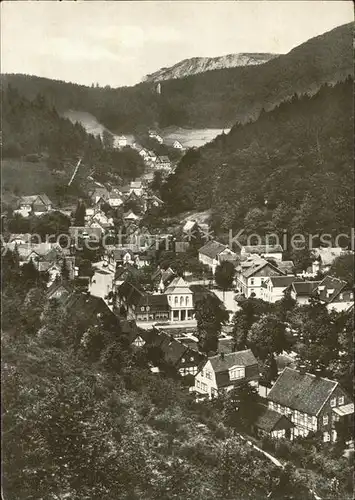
83	417
292	168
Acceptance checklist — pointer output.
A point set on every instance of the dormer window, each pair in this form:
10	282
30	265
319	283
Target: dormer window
237	372
333	402
341	400
321	288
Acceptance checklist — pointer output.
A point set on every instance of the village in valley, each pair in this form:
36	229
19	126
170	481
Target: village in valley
151	349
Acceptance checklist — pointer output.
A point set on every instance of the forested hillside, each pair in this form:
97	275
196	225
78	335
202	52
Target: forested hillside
38	143
214	99
292	168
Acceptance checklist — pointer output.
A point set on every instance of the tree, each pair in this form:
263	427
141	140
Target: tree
30	274
210	314
250	312
65	273
224	275
267	337
343	268
241	409
79	217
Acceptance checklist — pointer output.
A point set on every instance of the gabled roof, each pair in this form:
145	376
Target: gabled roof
156	302
212	249
258	266
329	288
269	420
262	249
282	281
239	358
178	285
57	286
28	200
286	266
302	392
119	253
163	159
304	288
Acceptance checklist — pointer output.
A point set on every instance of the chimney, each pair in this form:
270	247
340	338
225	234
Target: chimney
302	369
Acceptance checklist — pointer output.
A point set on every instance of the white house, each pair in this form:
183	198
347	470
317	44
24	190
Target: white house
36	204
274	287
226	371
265	251
180	300
212	254
119	141
252	274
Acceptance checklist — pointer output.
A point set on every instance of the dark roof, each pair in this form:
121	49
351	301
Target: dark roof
329	288
258	266
239	358
56	286
129	292
178	353
304	288
156	302
303	392
200	291
269	420
212	249
282	281
119	253
262	249
87	308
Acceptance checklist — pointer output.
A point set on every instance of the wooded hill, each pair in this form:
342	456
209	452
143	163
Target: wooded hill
38	142
213	99
292	168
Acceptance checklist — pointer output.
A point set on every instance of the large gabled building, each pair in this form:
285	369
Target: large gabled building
312	403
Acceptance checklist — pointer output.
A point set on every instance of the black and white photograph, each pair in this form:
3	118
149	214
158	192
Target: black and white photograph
177	250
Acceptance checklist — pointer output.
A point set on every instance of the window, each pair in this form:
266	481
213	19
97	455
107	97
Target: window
209	375
236	373
183	360
142	308
341	400
252	281
187	300
336	417
325	419
148	308
198	384
181	301
203	387
326	437
333	402
176	301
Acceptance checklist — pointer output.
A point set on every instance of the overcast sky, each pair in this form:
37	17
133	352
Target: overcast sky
117	43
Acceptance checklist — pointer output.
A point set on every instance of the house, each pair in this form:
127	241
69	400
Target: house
174	143
152	308
302	291
252	274
272	424
154	135
265	251
163	162
117	257
153	201
59	288
180	300
144	153
211	253
335	294
20	239
98	193
37	204
141	306
273	287
115	200
226	371
136	187
119	141
92	233
54	268
161	278
309	402
130	216
324	257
